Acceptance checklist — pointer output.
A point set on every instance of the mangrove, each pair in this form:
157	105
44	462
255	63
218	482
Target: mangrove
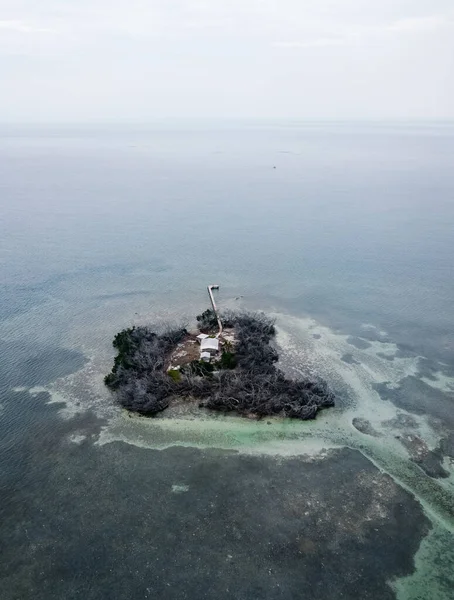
242	377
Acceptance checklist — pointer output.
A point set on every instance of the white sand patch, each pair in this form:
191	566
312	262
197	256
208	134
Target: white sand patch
77	438
372	327
442	382
180	489
282	437
323	358
84	390
68	410
448	482
37	389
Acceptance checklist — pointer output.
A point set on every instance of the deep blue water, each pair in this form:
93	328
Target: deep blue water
101	226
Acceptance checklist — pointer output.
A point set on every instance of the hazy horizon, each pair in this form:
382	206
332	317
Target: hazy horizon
221	122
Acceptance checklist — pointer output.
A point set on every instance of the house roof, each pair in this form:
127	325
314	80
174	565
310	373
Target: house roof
202	336
209	344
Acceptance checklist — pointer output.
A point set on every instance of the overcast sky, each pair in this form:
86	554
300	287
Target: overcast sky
73	60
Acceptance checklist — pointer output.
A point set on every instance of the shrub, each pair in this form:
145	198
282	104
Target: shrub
199	368
207	321
174	374
227	361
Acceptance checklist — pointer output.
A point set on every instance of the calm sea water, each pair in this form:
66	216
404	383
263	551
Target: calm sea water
346	232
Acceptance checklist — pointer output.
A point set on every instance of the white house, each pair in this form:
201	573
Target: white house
202	336
210	345
205	356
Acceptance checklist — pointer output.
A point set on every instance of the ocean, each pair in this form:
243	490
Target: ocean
344	232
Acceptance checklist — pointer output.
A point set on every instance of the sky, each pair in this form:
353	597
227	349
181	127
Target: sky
123	60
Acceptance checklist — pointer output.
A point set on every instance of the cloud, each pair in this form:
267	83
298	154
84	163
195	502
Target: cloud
345	34
81	58
23	27
420	24
321	42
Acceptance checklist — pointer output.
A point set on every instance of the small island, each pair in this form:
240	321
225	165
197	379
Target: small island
227	365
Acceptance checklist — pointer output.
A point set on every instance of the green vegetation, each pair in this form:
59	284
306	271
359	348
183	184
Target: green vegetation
227	361
207	321
174	374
